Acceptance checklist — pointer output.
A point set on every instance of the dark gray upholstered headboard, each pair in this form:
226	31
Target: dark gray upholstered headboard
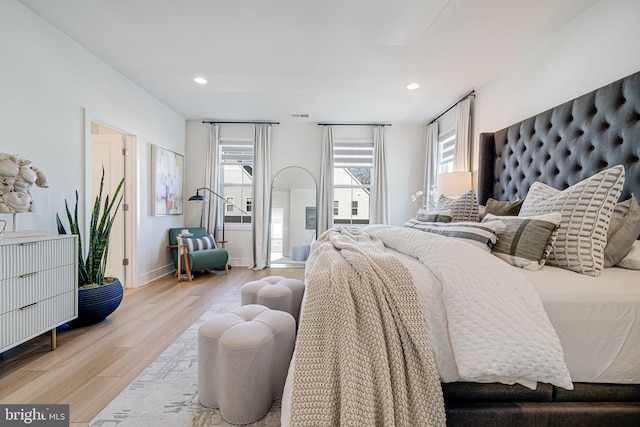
566	144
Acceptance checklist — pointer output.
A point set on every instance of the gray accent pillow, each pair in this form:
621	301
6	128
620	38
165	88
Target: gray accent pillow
443	215
525	242
586	209
463	208
500	208
623	231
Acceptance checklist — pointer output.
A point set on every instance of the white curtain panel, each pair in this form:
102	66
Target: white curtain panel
325	199
462	150
261	194
431	160
380	209
209	214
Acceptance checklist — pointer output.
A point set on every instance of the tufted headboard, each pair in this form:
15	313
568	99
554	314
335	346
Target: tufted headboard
566	144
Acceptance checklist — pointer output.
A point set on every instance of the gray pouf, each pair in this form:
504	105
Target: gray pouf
243	359
275	292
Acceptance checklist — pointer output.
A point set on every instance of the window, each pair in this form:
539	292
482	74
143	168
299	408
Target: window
352	170
446	146
247	204
237	176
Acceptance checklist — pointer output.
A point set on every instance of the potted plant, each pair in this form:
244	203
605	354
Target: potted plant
98	296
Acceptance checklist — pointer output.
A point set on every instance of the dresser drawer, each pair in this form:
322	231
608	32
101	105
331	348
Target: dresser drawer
27	257
26	289
20	325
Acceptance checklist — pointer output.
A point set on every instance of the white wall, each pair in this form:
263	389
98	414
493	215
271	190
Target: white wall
299	144
595	49
46	82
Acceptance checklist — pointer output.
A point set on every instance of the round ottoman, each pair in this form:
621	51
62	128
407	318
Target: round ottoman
243	359
275	292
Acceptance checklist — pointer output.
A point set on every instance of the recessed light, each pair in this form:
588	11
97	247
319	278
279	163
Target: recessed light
200	80
413	86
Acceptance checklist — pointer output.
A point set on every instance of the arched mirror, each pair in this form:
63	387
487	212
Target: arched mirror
293	217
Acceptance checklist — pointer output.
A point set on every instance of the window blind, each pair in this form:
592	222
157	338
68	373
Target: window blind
349	153
236	151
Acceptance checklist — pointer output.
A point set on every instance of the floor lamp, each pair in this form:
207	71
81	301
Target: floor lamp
201	199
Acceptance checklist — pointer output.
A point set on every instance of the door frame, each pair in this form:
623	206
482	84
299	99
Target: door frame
130	190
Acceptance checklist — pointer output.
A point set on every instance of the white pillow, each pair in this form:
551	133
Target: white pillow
586	210
632	259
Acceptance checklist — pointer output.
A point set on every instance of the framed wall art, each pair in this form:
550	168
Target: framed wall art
167	173
310	218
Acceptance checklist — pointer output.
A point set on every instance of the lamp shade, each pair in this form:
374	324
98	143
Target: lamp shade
454	183
198	198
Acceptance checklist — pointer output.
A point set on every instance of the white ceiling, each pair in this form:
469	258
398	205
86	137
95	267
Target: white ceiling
336	60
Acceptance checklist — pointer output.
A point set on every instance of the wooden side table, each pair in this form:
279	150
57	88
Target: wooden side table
185	253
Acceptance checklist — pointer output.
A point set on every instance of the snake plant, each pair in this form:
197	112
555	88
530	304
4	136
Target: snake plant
91	270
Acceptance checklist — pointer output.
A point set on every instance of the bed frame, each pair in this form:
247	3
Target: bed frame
559	147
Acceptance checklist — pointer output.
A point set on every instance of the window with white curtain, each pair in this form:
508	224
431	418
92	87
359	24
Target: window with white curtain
446	146
237	177
352	172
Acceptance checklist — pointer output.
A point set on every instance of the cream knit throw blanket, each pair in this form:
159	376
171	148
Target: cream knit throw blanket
363	355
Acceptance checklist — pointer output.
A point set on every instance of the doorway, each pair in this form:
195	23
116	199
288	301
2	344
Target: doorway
110	149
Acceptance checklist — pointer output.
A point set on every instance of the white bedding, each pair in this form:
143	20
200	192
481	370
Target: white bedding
597	320
486	321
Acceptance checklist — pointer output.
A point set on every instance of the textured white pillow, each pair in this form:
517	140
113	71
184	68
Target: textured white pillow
586	210
463	208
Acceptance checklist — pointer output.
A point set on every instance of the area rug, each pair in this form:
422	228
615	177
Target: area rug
166	393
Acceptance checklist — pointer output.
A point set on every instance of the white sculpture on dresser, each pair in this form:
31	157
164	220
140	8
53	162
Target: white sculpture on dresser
17	176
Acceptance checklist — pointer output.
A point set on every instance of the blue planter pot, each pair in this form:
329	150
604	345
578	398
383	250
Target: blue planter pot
95	304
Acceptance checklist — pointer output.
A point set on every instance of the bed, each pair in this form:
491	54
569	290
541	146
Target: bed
594	314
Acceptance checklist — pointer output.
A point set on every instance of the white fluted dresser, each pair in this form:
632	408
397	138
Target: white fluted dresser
38	287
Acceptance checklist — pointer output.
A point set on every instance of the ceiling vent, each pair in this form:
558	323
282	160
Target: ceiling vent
299	115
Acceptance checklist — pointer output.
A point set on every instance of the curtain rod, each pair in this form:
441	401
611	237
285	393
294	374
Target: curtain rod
470	93
354	124
239	123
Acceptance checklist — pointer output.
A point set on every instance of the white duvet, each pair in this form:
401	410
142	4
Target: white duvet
486	320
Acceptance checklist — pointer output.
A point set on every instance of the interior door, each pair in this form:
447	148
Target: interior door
106	151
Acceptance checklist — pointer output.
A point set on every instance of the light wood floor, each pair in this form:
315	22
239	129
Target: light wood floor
93	364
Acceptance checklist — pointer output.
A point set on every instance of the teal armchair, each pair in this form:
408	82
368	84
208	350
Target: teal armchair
204	259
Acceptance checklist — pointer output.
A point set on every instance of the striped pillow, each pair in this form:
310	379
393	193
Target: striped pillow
424	215
525	242
200	243
463	208
586	210
481	235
